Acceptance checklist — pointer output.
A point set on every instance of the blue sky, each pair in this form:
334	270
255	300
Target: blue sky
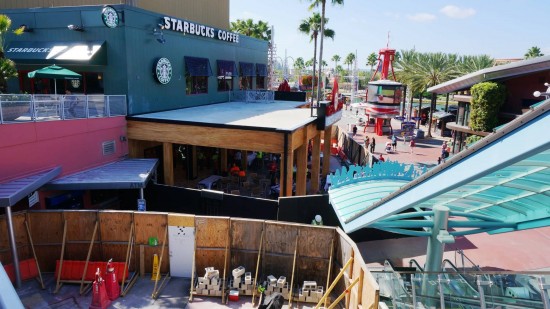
498	28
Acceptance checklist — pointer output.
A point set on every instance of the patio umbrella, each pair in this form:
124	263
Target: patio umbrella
55	72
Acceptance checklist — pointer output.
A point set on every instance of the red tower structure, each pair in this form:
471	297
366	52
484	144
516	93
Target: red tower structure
383	95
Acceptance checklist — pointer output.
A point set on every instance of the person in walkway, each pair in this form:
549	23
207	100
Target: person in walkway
354	130
238	158
412	144
381	158
372	145
394	142
272	168
367	142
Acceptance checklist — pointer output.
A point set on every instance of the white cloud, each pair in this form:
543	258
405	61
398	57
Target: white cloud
456	12
421	17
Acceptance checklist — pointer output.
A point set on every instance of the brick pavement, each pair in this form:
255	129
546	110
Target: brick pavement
426	152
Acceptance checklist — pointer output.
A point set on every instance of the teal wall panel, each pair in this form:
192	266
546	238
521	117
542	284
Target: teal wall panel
132	50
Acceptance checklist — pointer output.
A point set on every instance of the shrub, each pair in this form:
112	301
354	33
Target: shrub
487	98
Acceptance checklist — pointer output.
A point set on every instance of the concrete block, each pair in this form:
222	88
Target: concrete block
310	299
239	271
281	281
203	280
235	284
248	278
301	296
213	287
309	286
201	286
271	280
237	279
215	281
212	274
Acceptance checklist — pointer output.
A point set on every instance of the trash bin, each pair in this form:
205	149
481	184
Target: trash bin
419	133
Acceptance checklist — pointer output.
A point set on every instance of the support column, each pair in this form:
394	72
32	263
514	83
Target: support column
244	160
13	245
315	162
301	169
135	150
223	157
436	247
326	150
168	158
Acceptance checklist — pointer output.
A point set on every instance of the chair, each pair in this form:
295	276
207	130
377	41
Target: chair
236	192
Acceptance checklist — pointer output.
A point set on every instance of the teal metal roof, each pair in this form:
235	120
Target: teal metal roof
504	178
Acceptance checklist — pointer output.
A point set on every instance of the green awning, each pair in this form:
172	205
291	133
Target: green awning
93	52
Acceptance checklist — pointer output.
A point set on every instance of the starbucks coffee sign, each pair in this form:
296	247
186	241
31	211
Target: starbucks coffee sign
187	27
163	71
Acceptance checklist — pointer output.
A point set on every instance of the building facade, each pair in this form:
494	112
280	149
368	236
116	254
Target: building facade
117	50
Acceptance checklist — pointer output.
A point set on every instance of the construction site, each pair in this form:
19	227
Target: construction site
169	260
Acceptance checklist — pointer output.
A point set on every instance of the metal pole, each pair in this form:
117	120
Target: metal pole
481	292
141	195
544	291
436	247
441	294
15	257
413	279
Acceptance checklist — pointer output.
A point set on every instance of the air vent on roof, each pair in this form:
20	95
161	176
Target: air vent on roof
108	148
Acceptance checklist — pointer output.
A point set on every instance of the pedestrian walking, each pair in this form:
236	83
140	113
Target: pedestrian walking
394	142
412	144
367	142
372	145
354	130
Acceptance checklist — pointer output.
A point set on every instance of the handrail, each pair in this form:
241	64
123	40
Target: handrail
19	108
413	261
461	252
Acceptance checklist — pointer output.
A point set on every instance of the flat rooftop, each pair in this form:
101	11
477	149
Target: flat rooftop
269	116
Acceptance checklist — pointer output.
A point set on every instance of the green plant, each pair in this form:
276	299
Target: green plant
472	139
487	98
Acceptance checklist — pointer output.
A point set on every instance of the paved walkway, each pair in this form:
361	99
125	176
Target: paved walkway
426	152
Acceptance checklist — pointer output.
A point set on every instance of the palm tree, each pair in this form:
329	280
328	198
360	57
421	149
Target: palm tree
7	67
371	60
247	27
335	58
316	3
469	64
433	69
311	27
350	58
533	52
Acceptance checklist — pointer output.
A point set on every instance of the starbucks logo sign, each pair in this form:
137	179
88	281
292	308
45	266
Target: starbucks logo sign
75	83
163	71
109	16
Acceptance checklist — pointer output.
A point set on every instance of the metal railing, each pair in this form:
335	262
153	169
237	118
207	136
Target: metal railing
18	108
253	96
473	289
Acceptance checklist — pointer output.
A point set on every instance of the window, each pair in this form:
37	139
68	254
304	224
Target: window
196	77
261	73
226	72
247	72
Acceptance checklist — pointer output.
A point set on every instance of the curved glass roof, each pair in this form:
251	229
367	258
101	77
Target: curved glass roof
505	177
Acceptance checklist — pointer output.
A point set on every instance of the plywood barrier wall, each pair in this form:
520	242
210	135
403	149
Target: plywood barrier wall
147	225
21	240
219	241
211	241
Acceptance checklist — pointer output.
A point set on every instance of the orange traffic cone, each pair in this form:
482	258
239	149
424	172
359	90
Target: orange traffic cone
99	295
111	282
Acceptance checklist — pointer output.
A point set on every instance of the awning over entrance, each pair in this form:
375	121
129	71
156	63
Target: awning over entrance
93	52
125	174
15	190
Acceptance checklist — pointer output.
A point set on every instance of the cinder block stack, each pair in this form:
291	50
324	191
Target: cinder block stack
242	281
210	284
310	292
277	285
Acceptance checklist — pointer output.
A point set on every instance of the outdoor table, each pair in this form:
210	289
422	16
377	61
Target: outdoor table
208	182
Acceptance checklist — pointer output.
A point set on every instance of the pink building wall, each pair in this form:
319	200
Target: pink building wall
75	145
